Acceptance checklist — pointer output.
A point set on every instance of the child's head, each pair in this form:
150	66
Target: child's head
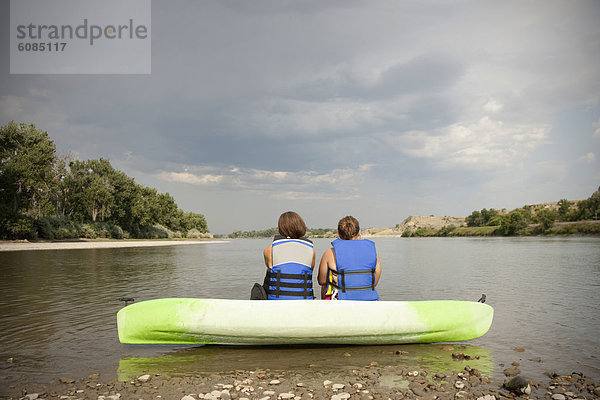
291	225
348	228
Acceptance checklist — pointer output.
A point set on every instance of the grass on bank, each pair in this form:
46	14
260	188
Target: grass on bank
451	230
559	228
474	231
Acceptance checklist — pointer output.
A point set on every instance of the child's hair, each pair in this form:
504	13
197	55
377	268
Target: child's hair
291	225
348	228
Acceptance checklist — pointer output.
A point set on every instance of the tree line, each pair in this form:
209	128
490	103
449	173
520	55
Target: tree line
44	196
271	232
516	221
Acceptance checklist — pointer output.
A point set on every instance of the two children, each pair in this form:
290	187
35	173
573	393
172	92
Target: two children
349	270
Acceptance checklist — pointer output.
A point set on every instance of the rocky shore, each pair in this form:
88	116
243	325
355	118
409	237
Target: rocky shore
368	382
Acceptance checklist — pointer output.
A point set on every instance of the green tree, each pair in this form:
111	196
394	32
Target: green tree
514	222
26	167
527	213
545	217
495	220
27	157
489	217
254	234
143	207
90	191
58	196
483	218
166	210
40	192
192	220
590	208
127	197
564	206
475	219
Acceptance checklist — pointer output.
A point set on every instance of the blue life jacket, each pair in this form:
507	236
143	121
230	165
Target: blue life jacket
291	275
355	261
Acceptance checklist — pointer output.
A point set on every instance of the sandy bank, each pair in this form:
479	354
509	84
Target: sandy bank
84	244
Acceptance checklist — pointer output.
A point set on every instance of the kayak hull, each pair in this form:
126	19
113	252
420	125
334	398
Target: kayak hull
290	322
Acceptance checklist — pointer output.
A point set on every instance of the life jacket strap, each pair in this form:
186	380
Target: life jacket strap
343	273
308	293
274	275
274	279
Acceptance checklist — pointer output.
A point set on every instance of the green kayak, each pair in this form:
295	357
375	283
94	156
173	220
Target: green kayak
253	322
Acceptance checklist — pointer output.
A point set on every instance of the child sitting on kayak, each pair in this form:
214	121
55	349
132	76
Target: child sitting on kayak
290	260
351	268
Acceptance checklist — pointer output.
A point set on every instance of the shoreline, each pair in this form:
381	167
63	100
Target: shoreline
368	382
6	246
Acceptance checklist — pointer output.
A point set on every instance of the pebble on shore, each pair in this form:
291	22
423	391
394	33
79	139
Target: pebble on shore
364	383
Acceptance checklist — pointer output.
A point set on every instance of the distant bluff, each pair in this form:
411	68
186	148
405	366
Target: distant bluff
415	222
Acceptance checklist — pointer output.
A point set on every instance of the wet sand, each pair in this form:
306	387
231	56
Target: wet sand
372	381
97	244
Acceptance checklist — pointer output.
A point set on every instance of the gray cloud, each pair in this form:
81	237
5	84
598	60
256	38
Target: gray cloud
439	100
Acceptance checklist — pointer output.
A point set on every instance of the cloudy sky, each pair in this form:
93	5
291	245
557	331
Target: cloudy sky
378	109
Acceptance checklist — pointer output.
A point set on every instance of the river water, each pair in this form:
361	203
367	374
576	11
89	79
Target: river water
58	307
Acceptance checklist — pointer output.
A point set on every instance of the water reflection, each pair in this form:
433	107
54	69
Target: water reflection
217	359
58	308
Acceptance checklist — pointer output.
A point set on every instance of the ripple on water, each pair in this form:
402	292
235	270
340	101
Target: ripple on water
58	307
